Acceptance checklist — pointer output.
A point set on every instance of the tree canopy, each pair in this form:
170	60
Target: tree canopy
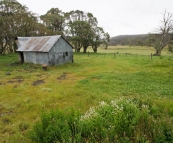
83	31
163	35
78	27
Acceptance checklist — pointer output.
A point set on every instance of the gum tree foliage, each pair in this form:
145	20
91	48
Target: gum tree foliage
100	38
83	31
76	22
54	21
17	20
9	24
83	34
163	35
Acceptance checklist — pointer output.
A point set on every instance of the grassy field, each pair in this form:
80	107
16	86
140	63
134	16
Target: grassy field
102	76
141	50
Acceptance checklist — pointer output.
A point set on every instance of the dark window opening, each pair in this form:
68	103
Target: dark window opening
66	53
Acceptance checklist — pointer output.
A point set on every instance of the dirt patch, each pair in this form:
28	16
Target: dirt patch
18	77
62	77
15	81
15	86
6	121
38	82
26	70
6	113
42	75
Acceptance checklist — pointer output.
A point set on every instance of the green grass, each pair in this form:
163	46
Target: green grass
81	85
141	50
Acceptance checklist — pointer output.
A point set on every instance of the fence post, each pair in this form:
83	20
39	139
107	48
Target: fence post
114	55
151	56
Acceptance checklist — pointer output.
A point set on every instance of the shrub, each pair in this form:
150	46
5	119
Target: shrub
123	120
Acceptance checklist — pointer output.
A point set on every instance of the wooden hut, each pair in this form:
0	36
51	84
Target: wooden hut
48	50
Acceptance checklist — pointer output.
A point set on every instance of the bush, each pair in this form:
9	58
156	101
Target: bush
55	126
123	120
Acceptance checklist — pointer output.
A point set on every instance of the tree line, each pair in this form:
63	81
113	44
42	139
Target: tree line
79	28
131	40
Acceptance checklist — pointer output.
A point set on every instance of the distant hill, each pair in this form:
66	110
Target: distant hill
132	40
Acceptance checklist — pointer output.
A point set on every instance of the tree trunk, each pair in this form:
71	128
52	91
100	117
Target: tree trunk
158	52
106	47
1	47
84	49
4	46
10	47
95	50
78	49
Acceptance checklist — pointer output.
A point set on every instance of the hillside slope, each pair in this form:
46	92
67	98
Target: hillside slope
128	40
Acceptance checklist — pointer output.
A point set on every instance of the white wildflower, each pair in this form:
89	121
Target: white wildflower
102	103
144	106
91	113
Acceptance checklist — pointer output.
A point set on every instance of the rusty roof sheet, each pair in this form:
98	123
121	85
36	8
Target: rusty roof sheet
37	44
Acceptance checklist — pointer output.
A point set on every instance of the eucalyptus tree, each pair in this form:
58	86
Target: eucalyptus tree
106	40
15	20
54	20
83	30
163	35
73	16
27	24
7	22
82	35
73	20
100	38
41	30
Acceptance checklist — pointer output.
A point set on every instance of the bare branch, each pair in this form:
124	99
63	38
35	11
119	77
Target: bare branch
164	33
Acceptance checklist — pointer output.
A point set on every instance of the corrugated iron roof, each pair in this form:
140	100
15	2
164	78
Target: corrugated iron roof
37	44
21	40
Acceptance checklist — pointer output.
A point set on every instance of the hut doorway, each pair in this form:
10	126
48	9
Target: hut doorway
21	57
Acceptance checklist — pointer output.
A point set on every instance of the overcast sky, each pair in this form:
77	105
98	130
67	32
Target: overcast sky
117	17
